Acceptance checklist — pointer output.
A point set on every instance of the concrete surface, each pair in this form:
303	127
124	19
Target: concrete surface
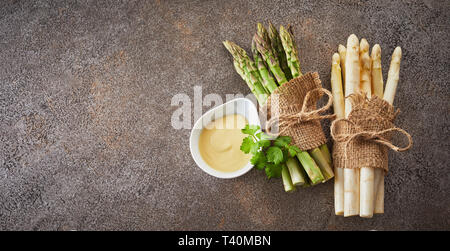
85	98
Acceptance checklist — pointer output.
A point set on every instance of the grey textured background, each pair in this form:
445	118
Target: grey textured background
85	92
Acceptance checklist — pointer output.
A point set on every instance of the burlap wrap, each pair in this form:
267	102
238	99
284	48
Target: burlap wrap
292	108
363	139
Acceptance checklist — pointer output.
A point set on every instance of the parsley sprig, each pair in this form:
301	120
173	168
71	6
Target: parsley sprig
269	153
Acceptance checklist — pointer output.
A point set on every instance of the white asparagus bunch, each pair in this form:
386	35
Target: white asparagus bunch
360	191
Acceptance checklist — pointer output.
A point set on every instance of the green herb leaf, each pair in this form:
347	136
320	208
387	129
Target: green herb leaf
285	155
268	152
255	148
247	144
259	160
264	143
273	171
293	150
250	129
266	137
261	165
282	141
274	155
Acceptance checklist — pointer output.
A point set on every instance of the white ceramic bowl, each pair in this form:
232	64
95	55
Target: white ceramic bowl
242	106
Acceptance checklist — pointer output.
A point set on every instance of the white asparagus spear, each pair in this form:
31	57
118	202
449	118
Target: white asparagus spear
377	90
367	174
377	75
389	95
379	191
393	76
342	52
336	87
339	110
352	79
364	58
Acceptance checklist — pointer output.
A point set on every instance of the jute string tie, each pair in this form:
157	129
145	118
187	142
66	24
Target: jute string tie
288	120
375	136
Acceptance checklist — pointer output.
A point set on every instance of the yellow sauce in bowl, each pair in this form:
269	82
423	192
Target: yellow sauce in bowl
220	141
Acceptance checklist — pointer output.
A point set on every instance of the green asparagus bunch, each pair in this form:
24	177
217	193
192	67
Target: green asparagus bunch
276	54
320	155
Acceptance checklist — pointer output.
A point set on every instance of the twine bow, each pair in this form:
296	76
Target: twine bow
375	136
288	120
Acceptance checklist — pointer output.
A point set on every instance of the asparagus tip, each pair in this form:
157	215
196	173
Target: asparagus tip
398	51
336	58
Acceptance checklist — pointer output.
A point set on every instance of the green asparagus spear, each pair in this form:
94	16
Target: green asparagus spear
326	153
277	46
252	74
291	52
240	55
258	92
267	79
241	73
287	182
321	161
267	54
245	67
311	168
262	32
297	176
